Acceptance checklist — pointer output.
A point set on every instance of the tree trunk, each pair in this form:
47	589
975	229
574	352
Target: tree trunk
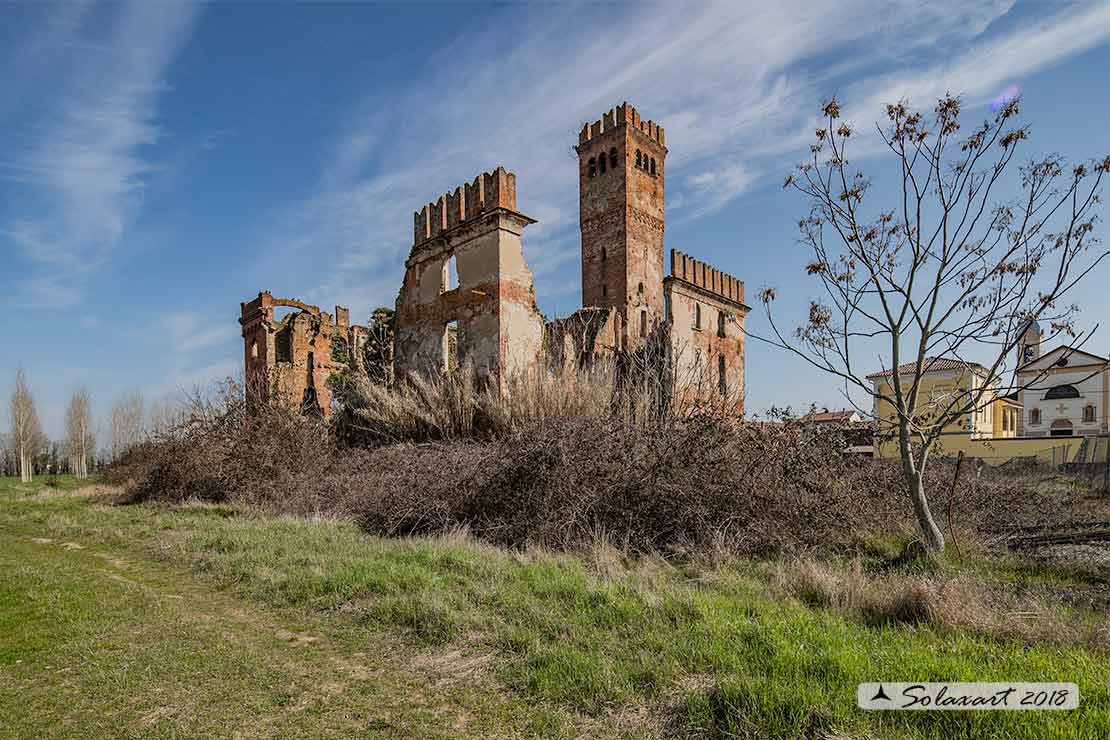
930	532
931	535
24	472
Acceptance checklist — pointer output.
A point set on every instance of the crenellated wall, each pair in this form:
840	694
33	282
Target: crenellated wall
488	192
489	319
706	277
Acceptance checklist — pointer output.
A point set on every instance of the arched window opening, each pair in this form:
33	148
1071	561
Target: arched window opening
1060	428
450	274
697	316
601	163
254	349
653	165
593	167
643	323
1034	416
613	158
722	381
640	289
639	159
720	323
1062	391
667	308
1088	414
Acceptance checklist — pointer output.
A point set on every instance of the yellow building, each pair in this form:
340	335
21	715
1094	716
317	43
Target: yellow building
944	384
991	434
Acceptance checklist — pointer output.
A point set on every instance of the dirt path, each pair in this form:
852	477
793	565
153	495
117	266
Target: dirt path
96	643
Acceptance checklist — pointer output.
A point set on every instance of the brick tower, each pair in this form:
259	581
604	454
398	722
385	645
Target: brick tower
620	176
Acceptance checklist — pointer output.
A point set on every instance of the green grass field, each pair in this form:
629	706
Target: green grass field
203	621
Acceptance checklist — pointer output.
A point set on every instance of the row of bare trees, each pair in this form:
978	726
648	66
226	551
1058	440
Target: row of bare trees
27	448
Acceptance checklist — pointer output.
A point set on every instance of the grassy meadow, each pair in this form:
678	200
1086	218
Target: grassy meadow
200	620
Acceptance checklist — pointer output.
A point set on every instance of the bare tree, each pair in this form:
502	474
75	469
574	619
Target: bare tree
164	415
80	435
941	269
127	422
26	434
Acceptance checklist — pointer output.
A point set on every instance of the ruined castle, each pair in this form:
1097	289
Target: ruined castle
468	294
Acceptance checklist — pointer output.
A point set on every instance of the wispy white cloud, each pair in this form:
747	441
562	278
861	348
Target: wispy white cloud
80	160
188	331
736	86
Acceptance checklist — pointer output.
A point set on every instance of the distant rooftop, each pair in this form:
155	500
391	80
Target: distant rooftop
930	365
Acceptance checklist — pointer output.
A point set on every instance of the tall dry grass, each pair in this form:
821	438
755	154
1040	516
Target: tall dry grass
457	405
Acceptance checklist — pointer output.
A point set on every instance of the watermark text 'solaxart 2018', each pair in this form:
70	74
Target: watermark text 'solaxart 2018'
954	696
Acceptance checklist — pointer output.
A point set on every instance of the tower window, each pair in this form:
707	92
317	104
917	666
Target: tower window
603	255
613	158
640	289
254	349
653	165
697	316
604	291
667	307
593	167
720	323
722	382
643	323
639	159
601	163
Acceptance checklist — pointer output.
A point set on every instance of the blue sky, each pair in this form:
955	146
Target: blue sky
161	162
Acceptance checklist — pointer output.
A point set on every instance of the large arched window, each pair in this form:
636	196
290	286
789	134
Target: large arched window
593	167
639	159
1062	391
601	164
613	158
697	315
720	323
653	165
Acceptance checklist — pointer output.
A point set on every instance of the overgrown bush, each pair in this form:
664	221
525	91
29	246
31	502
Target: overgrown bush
559	464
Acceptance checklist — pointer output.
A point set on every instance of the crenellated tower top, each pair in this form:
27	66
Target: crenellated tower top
489	191
621	115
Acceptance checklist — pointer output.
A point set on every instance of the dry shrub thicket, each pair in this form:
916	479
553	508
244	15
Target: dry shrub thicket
557	462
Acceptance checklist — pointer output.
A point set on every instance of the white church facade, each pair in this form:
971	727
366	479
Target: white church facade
1064	392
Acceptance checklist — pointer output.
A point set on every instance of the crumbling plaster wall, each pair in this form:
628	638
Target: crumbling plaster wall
500	328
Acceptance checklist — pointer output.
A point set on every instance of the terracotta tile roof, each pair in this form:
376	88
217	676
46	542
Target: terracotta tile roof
931	365
822	417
